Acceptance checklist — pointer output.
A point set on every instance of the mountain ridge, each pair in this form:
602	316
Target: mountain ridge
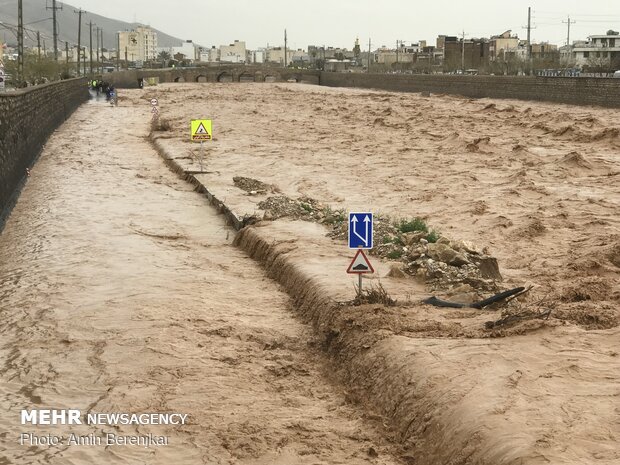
38	18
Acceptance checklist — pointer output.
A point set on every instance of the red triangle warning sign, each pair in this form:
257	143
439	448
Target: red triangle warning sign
360	264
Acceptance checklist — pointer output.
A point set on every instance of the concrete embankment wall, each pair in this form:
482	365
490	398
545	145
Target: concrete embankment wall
27	118
575	91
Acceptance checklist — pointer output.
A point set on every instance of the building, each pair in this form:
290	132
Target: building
504	45
600	53
139	44
256	56
338	66
465	54
233	53
543	49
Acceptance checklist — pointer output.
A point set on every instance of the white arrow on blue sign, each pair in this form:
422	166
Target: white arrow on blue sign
360	230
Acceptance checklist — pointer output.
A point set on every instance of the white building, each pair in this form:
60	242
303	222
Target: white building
139	44
233	53
597	50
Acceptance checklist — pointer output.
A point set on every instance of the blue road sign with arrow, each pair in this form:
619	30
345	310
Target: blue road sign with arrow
360	230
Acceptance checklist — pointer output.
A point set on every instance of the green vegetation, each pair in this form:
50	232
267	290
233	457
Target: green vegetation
39	70
433	236
413	225
395	254
307	207
334	217
393	240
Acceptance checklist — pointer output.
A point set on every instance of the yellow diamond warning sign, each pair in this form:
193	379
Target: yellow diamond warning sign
201	129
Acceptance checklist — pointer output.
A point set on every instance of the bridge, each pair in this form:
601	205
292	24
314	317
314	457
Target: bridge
225	73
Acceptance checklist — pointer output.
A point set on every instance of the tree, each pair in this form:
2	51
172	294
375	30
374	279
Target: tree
598	64
164	57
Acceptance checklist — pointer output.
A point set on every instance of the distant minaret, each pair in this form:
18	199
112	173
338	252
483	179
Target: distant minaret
357	50
285	44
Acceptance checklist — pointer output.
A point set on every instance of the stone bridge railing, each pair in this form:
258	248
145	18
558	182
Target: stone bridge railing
224	73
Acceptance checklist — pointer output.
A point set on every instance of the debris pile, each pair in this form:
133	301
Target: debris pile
253	186
443	264
280	206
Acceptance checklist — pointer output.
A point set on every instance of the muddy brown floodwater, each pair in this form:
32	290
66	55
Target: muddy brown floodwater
121	292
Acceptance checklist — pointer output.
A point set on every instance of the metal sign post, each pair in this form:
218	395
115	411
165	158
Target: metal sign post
200	156
360	265
200	131
154	109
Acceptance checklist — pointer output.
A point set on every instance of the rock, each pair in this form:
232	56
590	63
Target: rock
414	255
413	238
488	267
467	246
396	271
423	241
459	260
422	273
444	240
444	253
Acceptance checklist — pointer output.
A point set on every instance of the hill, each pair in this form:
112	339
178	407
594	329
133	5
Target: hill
37	18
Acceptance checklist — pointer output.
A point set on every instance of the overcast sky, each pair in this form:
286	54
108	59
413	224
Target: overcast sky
339	22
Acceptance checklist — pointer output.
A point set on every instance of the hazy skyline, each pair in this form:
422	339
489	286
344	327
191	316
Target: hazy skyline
338	23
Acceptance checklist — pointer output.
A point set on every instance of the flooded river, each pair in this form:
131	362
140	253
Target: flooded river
121	292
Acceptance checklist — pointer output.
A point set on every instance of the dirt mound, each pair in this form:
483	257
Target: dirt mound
253	186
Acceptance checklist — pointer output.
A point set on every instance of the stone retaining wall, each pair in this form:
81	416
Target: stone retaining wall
576	91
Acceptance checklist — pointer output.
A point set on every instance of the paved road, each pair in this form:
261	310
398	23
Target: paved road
120	291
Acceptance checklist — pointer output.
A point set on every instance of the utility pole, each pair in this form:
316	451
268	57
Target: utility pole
569	22
20	40
369	55
463	53
39	44
79	44
54	8
102	57
285	45
90	44
397	52
67	53
97	34
118	51
529	28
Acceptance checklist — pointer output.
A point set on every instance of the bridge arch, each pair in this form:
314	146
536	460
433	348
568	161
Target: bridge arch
201	78
224	77
270	78
246	77
179	79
